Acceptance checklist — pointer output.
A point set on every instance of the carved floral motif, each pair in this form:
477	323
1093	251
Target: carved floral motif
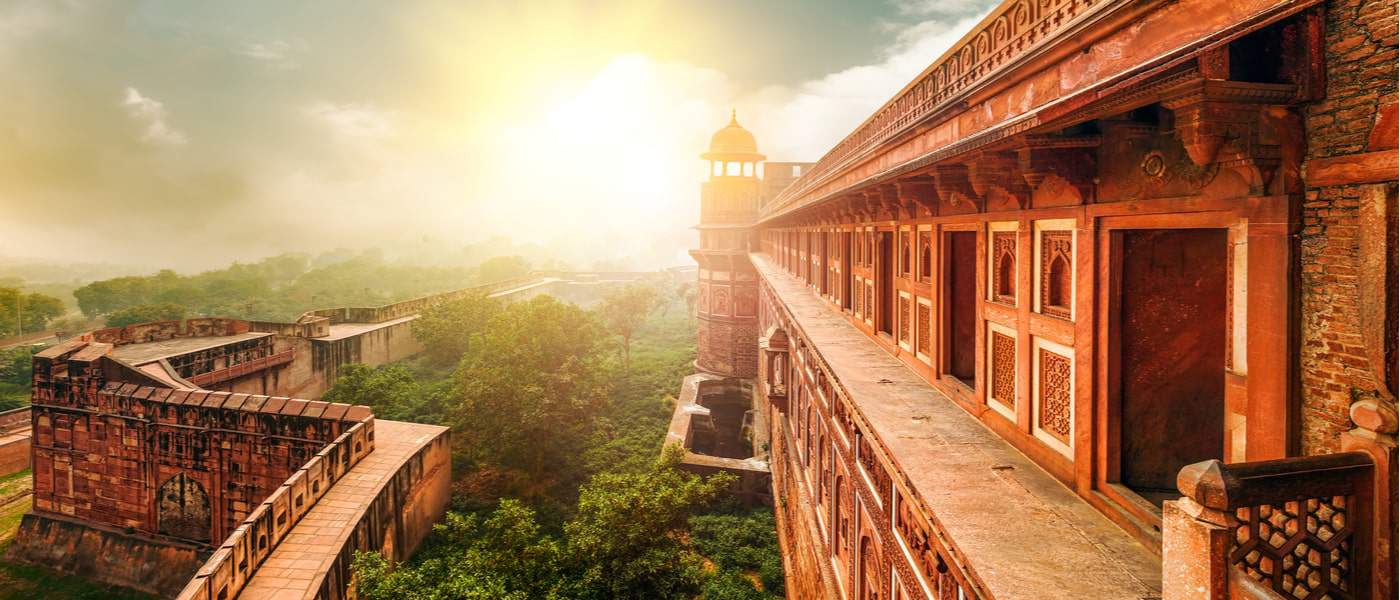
1004	369
1055	415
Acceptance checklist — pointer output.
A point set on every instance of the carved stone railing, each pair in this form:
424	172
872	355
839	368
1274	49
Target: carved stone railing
1011	31
241	369
240	555
1292	528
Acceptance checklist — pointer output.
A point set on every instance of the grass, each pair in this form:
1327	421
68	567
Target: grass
13	395
26	582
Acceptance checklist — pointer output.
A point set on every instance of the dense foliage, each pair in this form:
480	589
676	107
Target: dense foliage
561	488
146	313
529	389
282	287
32	311
16	371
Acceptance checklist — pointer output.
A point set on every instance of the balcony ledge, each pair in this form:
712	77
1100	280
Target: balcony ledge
1022	533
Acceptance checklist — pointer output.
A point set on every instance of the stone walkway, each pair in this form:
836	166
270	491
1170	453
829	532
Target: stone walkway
296	567
1023	532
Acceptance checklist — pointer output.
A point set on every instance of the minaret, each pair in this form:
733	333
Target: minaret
727	289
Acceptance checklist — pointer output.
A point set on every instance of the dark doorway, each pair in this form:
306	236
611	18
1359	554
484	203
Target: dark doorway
960	299
182	509
884	281
1171	333
824	265
846	292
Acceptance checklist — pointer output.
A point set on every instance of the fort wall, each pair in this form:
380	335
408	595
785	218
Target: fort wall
14	441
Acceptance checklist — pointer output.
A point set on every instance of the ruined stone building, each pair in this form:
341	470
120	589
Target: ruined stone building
191	458
1102	305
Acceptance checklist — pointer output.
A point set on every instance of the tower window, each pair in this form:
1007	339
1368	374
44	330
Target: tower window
748	169
732	169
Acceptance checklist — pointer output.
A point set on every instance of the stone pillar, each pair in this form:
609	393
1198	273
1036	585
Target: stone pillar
1195	551
1374	433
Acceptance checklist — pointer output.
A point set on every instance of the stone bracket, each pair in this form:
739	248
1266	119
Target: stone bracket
954	187
1220	121
996	178
1072	160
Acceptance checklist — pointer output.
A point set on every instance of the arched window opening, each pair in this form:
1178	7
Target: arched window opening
1006	268
1060	284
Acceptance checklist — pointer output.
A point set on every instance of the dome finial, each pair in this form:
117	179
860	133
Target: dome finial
733	116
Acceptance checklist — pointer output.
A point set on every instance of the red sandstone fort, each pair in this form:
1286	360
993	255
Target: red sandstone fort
1101	305
180	458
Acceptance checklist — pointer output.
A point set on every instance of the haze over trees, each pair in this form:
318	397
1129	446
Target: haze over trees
625	310
281	288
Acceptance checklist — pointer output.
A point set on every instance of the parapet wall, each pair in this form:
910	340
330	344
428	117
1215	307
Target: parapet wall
230	567
157	331
14	441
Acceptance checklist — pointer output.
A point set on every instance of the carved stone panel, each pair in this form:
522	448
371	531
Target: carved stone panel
1003	276
905	319
926	256
923	329
1055	407
1003	359
720	300
745	302
1056	273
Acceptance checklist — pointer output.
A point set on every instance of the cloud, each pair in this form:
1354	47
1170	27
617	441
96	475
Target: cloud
802	122
277	54
151	113
353	121
945	10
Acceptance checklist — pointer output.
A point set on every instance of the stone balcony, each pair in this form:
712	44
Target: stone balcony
1018	531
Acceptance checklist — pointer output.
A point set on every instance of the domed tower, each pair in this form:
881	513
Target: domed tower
727	289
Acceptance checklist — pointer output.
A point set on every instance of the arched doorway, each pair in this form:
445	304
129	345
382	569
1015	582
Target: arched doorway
871	586
182	509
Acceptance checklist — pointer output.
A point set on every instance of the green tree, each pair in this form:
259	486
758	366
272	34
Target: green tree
26	313
686	293
503	557
741	542
446	329
501	268
146	313
627	540
624	311
531	384
393	391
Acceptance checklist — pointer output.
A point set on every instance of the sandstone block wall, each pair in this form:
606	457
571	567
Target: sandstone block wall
1356	117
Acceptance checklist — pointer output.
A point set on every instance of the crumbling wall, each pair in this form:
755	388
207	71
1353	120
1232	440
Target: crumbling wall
70	546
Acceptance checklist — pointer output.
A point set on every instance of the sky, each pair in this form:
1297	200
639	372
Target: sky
189	135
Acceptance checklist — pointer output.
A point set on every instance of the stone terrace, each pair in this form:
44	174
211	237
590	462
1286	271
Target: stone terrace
1039	540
